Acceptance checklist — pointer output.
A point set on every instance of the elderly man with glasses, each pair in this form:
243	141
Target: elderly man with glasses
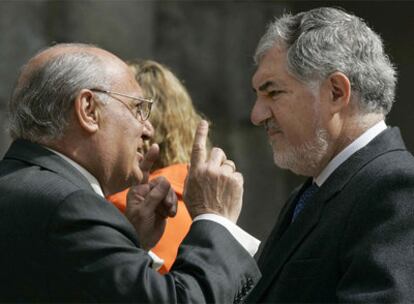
75	141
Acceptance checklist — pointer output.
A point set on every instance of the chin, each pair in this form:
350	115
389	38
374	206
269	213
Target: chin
293	163
304	159
118	186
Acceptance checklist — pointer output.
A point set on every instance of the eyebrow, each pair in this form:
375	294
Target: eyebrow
264	86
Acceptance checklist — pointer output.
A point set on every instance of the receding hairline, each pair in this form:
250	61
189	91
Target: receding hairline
50	53
59	49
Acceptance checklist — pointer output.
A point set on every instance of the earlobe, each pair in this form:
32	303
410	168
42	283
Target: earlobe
86	111
340	87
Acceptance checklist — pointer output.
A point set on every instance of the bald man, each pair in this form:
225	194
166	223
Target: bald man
77	117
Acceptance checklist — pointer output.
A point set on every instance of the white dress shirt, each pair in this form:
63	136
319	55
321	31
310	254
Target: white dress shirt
250	243
346	153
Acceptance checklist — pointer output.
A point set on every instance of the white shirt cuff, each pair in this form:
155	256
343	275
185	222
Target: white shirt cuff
250	243
157	262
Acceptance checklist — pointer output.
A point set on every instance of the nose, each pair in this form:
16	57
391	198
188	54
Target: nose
260	113
148	130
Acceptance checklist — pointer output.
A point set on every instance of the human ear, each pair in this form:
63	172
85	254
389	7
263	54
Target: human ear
86	111
340	91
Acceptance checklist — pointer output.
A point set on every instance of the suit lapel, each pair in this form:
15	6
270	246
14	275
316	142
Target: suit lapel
282	224
286	238
35	154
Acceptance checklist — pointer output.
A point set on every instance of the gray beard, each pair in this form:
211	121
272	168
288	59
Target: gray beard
306	158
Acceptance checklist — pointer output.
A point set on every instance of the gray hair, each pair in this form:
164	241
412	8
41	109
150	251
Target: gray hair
39	109
327	40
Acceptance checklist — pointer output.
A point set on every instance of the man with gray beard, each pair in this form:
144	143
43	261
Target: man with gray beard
324	87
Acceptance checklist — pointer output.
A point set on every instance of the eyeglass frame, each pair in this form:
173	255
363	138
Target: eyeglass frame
137	106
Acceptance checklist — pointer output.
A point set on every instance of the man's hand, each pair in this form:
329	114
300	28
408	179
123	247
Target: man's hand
150	203
151	156
212	185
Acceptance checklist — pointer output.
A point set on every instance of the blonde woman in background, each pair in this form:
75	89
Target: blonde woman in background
174	119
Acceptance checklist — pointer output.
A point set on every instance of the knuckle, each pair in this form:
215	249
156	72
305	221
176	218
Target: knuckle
226	173
158	193
160	179
194	169
197	147
211	171
237	178
161	184
239	175
217	151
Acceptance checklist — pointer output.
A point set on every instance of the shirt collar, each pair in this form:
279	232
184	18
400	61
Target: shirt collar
342	156
91	179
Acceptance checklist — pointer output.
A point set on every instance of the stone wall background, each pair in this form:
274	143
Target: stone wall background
209	45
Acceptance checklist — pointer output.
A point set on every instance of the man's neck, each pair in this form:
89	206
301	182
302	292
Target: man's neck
91	179
347	151
352	128
76	150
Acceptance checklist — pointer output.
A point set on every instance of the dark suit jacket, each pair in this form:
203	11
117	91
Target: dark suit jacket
354	241
60	241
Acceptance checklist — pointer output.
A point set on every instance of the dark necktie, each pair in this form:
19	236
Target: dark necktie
303	199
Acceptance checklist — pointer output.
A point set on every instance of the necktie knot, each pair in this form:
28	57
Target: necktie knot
305	196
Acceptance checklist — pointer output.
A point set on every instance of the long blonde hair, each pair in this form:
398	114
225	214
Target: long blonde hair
173	114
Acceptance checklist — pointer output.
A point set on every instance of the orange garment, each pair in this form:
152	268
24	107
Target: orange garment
177	227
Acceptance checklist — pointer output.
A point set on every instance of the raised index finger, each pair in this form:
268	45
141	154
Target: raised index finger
199	153
149	159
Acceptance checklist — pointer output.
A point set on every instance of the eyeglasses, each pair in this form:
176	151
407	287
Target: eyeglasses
143	107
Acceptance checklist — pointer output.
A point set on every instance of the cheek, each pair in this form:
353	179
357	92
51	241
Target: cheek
130	132
294	132
123	142
298	126
131	140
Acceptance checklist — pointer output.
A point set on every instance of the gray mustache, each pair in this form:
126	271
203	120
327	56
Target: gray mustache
272	126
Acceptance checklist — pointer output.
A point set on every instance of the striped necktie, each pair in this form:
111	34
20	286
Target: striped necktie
306	195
